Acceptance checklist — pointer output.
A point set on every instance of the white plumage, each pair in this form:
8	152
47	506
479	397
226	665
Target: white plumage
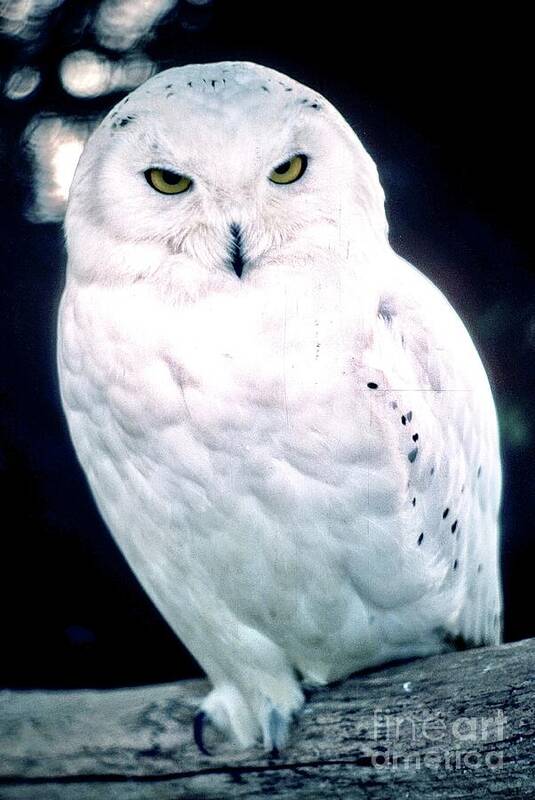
300	464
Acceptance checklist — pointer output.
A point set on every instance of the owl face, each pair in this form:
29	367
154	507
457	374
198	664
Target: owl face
224	166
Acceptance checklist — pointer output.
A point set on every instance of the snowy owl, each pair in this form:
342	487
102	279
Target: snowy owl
285	426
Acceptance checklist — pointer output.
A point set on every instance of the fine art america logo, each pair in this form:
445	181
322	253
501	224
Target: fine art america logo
431	742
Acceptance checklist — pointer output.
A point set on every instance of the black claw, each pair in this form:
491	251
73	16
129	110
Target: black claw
198	728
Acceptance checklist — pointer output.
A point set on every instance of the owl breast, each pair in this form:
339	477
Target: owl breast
269	440
237	391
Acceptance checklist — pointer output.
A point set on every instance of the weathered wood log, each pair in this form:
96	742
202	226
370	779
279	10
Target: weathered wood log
461	725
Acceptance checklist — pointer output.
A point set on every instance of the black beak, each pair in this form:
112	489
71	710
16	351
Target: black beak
235	249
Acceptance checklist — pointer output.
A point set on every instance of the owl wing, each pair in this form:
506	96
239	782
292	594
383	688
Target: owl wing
431	521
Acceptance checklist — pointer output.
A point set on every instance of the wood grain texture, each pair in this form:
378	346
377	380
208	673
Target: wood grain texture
459	725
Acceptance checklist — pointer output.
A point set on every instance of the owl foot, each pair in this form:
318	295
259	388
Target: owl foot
226	711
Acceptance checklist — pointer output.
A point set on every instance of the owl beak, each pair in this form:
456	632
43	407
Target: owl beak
236	249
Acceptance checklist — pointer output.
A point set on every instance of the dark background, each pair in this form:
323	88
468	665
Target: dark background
441	100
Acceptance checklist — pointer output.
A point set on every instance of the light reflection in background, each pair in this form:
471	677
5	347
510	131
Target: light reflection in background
88	74
24	19
55	146
22	83
121	24
121	28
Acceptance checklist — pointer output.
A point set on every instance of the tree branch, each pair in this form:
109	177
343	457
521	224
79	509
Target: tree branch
459	725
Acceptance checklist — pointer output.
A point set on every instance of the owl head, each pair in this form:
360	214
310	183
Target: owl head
219	169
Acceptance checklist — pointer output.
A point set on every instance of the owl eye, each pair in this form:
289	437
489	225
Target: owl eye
167	182
290	170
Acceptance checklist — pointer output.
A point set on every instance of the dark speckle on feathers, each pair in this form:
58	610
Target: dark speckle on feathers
123	122
414	501
403	419
384	311
409	416
420	539
454	527
415	437
412	455
455	564
372	385
445	513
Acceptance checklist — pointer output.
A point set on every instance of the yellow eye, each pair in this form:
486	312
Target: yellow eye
290	170
167	182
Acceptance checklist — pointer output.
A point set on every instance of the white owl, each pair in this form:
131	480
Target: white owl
285	426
